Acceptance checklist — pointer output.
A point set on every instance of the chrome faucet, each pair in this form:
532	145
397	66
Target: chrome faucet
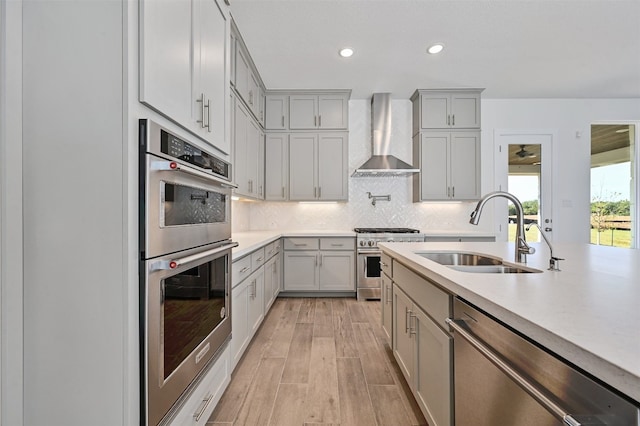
522	248
554	262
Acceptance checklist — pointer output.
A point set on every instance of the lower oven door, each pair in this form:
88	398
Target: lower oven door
368	275
187	318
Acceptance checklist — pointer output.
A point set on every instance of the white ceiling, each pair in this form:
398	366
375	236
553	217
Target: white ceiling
513	49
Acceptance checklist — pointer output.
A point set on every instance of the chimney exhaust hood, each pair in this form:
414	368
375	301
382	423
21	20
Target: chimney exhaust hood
381	162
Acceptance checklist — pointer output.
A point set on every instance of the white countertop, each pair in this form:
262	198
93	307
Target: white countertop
588	313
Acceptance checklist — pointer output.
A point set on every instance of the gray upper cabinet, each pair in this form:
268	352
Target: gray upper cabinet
187	83
446	109
328	111
277	112
246	79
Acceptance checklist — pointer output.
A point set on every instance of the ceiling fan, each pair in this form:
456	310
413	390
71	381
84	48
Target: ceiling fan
523	153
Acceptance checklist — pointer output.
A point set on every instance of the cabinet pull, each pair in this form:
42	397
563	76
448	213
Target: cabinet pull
203	407
319	192
208	106
259	259
201	102
315	192
319	121
300	244
283	192
337	245
448	120
260	190
251	97
283	121
407	312
315	121
245	269
388	294
321	256
453	120
448	191
453	192
412	324
249	185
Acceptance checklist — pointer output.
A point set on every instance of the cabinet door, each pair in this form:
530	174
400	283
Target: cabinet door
336	271
402	342
303	112
300	270
433	375
302	167
332	167
386	299
464	165
333	112
211	74
261	166
242	72
434	183
240	320
254	94
241	153
255	305
269	282
165	58
465	110
253	158
277	112
276	167
435	110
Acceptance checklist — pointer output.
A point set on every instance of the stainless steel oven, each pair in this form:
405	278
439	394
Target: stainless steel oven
368	278
185	266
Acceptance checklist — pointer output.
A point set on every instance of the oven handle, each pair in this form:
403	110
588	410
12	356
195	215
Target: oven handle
176	263
175	166
503	366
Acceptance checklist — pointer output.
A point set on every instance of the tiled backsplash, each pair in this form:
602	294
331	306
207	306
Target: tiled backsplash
359	211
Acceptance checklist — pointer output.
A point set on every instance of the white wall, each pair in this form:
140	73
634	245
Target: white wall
571	120
570	170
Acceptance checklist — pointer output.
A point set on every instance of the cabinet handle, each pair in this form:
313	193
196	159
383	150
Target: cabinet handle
201	102
283	192
448	120
245	269
251	97
259	259
388	294
407	312
384	265
203	407
453	120
315	121
319	121
453	192
321	256
412	324
315	192
208	107
448	191
283	121
337	245
319	192
300	244
260	190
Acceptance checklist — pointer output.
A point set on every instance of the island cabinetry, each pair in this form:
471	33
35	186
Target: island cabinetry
386	294
446	109
459	239
318	167
319	264
187	82
276	173
421	343
248	153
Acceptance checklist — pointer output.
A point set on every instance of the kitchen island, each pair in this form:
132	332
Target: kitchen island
587	313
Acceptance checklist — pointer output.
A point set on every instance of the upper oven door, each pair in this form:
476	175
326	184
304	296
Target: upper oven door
183	207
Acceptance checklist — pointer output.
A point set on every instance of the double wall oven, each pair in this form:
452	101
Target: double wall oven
368	270
185	266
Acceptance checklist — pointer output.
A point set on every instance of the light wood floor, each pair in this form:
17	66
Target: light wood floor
323	361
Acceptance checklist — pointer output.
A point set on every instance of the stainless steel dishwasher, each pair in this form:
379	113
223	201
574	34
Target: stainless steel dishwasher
501	378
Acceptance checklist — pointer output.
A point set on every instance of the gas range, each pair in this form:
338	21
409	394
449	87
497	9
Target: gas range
367	239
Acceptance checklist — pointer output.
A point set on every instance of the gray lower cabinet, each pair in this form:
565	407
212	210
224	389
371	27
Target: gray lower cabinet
421	346
319	264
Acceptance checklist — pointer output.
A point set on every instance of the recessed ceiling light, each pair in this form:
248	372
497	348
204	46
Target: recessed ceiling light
346	52
436	48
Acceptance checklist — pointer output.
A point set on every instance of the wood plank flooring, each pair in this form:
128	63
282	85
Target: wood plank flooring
318	362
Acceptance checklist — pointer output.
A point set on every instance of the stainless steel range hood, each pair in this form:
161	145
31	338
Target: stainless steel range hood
381	162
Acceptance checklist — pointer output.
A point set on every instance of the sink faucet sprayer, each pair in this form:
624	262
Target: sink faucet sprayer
554	262
522	248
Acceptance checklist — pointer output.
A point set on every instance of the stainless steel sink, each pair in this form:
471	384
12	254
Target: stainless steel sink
460	258
475	263
493	269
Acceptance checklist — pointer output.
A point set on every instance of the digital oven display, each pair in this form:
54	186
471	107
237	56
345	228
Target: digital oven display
182	150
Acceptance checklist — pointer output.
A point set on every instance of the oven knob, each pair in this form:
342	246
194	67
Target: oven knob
390	240
362	243
370	243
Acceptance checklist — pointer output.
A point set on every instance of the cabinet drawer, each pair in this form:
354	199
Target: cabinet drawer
240	269
257	258
385	265
272	249
461	238
435	302
301	244
337	244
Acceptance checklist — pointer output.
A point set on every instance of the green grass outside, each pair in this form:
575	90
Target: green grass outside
621	238
612	237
